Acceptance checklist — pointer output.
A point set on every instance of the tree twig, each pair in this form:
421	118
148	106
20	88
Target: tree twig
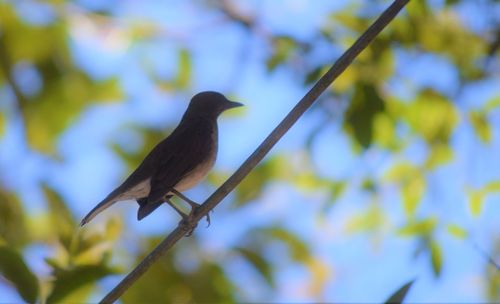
340	65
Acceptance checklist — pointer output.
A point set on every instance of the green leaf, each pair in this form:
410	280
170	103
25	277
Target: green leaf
61	218
184	71
12	220
412	182
419	227
400	294
359	118
439	155
283	48
3	122
476	199
251	187
299	250
432	116
258	262
457	231
481	126
15	270
436	258
492	187
71	280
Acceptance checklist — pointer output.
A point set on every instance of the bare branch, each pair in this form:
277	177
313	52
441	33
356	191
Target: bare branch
340	65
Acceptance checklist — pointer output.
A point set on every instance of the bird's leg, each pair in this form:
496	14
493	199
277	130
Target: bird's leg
185	218
194	205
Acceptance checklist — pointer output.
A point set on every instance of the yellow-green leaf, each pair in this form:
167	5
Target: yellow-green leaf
439	155
14	269
183	78
418	227
436	258
258	262
476	199
3	122
481	125
72	280
457	231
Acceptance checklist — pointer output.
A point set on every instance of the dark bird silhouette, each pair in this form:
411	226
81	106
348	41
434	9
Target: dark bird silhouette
177	163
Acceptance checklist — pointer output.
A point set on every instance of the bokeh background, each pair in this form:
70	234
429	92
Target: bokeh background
392	176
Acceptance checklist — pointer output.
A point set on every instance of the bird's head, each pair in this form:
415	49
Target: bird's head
210	104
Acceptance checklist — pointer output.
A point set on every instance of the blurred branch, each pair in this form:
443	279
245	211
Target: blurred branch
323	83
488	257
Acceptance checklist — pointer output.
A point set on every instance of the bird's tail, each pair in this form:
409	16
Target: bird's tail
97	209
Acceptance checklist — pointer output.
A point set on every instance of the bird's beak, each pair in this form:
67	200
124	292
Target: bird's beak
233	104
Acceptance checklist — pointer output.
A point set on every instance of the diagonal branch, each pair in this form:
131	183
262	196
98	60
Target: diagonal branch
340	65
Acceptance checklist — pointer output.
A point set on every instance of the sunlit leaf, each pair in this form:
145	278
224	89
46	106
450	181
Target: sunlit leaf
183	78
436	258
418	227
432	116
258	262
283	47
412	182
481	126
439	155
3	122
12	220
492	104
68	281
476	199
457	231
492	187
251	187
371	220
299	250
400	294
14	269
61	218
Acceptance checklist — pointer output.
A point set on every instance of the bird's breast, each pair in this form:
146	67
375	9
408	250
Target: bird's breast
200	172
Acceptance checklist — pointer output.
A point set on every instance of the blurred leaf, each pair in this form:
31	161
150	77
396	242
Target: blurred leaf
418	227
457	231
492	104
439	155
492	187
436	258
259	263
61	218
184	71
15	270
481	126
369	221
399	296
359	118
299	250
432	116
315	74
70	280
412	182
205	282
385	132
282	49
12	220
476	199
250	188
3	123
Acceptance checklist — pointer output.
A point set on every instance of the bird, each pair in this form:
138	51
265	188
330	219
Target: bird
177	163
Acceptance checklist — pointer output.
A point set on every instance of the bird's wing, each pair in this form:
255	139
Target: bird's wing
143	172
194	148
